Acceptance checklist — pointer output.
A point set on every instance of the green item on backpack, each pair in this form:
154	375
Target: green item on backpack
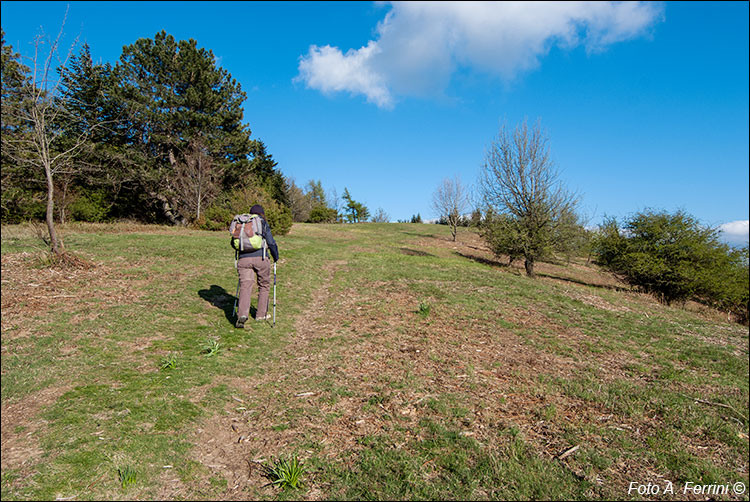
247	232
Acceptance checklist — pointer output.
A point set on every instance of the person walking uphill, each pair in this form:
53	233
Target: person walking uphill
253	264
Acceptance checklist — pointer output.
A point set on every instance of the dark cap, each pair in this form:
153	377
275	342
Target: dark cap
257	209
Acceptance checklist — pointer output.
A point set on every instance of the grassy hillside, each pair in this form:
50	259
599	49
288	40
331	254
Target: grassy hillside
402	366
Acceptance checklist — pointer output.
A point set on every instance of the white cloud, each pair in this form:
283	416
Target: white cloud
328	70
736	232
419	45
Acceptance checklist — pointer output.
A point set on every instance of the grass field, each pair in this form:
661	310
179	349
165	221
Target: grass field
402	366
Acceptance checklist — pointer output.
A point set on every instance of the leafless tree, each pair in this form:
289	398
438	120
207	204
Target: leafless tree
334	201
298	202
42	111
381	216
520	180
195	182
64	196
451	201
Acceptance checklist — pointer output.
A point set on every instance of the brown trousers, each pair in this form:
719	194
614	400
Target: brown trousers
250	268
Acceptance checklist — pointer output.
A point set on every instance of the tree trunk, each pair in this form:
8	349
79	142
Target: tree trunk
529	264
166	207
55	243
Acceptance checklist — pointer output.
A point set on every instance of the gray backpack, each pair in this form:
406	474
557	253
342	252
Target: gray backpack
247	232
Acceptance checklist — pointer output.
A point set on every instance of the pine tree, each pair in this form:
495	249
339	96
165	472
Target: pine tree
22	192
175	93
356	210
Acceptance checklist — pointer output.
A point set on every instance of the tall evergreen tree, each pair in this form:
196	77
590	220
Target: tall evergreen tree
104	163
316	193
175	93
264	168
356	211
22	187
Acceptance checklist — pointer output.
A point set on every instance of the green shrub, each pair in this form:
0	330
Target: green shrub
676	259
215	218
239	201
279	218
19	204
322	214
503	235
91	205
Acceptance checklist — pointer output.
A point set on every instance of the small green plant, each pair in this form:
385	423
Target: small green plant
285	473
127	476
169	362
211	348
424	309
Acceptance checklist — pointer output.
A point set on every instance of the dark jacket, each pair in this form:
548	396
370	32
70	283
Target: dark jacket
270	242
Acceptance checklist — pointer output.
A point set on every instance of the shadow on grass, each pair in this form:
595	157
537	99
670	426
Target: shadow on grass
221	299
419	234
414	252
495	263
611	287
482	260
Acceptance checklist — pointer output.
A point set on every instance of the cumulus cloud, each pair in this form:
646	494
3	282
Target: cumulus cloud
328	70
736	232
419	45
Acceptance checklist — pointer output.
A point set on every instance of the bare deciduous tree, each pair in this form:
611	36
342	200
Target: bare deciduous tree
381	216
520	180
451	201
299	203
333	200
42	111
195	181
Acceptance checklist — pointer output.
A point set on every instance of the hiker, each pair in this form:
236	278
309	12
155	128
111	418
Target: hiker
252	263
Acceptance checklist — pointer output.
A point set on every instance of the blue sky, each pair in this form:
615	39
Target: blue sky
645	104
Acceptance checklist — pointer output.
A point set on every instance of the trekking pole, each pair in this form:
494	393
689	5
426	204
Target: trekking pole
274	294
236	297
236	293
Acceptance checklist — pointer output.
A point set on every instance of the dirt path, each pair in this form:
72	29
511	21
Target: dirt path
362	363
235	444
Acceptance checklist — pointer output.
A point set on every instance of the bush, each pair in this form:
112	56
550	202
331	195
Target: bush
323	214
676	259
279	218
19	205
215	217
92	206
503	236
220	213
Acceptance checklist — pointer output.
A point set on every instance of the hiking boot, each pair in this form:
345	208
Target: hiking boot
264	318
241	322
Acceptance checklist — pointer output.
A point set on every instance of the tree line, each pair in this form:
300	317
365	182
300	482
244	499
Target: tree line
157	137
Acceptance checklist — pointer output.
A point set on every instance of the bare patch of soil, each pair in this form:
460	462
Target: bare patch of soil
29	290
20	426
